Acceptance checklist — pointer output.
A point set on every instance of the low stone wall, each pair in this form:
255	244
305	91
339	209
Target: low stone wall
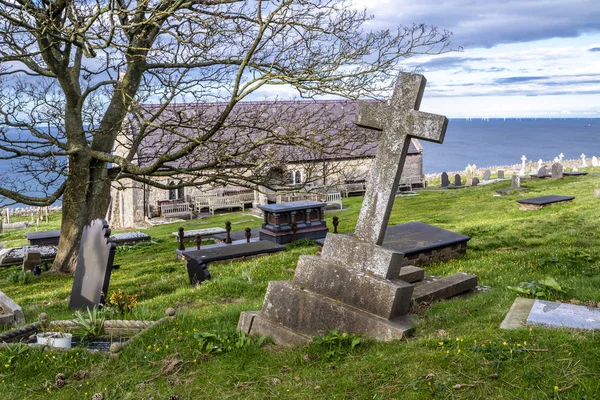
437	255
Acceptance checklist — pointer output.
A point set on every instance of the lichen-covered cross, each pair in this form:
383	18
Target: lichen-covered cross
400	121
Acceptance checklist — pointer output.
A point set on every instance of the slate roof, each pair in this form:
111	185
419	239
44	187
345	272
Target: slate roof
323	130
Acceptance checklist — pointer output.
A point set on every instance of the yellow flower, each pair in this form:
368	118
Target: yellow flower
441	343
505	344
556	388
6	365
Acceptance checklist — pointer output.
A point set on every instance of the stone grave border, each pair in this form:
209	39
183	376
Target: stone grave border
114	327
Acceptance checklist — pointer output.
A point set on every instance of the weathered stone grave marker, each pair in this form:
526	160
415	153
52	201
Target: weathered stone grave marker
32	258
487	174
352	286
445	180
500	174
94	266
457	180
557	171
516	182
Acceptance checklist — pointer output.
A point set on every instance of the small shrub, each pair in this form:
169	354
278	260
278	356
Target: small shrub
122	302
547	288
336	344
91	327
224	342
19	277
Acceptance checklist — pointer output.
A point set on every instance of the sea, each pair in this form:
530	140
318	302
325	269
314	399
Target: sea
503	141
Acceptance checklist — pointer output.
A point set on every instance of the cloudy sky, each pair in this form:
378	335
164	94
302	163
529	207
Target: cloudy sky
520	58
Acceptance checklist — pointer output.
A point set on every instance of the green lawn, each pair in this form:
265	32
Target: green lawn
457	350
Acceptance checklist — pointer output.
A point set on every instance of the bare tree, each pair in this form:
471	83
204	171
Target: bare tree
71	71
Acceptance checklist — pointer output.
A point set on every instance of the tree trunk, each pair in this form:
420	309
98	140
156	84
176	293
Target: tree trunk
86	197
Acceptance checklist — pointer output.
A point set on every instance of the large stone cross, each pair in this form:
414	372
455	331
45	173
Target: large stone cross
400	121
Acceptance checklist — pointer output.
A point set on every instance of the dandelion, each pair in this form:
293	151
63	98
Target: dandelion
441	343
556	388
6	365
504	344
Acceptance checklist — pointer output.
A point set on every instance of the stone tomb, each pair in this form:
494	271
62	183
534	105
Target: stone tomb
94	266
353	285
288	222
535	203
423	244
45	238
528	312
574	173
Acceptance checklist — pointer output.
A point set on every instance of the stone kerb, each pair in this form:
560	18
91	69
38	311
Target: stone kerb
10	312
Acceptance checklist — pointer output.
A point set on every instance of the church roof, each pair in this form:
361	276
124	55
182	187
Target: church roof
290	131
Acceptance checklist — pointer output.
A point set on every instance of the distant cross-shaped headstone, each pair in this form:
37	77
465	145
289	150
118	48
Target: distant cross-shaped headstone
560	157
487	174
583	162
399	120
540	163
457	180
500	174
523	159
557	171
445	180
516	181
94	265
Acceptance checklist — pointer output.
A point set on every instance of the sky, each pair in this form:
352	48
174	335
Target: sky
520	58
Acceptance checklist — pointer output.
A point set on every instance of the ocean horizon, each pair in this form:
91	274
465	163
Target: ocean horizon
503	141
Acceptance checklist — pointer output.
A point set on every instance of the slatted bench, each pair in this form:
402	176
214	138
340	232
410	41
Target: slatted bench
348	188
173	209
333	198
228	202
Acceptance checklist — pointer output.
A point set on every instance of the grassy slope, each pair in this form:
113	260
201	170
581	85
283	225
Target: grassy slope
507	246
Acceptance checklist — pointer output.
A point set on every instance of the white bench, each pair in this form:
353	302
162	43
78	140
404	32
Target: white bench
217	203
286	198
169	210
202	201
333	198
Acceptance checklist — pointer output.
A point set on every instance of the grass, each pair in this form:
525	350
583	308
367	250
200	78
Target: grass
457	350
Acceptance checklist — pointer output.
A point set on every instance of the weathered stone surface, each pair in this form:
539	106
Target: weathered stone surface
364	256
557	171
516	317
444	288
313	314
500	174
32	258
10	312
382	297
399	121
252	323
487	174
411	274
561	315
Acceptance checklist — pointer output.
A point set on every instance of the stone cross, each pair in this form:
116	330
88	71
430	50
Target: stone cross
561	156
399	120
540	162
583	163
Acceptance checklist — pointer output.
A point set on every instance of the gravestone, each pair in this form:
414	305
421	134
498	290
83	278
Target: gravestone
583	160
486	175
445	180
516	182
475	181
32	258
457	180
500	174
594	161
94	266
468	177
542	171
352	286
557	171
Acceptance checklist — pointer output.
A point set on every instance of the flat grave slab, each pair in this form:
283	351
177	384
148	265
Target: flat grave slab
535	203
237	235
423	244
206	232
128	238
13	256
45	238
528	312
549	313
222	251
540	176
578	173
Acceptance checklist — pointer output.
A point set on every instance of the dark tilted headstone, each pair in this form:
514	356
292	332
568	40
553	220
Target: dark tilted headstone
516	182
486	175
457	180
197	270
94	266
445	180
475	181
500	174
32	258
557	171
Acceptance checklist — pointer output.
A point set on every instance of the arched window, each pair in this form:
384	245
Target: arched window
180	193
172	191
297	177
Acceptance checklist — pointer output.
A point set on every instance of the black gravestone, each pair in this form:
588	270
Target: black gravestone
486	175
197	270
457	180
475	181
445	180
94	265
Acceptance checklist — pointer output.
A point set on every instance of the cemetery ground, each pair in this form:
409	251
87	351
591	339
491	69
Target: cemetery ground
456	351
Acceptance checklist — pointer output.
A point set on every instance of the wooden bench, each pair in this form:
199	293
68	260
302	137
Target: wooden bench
333	198
229	202
298	197
169	210
348	188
